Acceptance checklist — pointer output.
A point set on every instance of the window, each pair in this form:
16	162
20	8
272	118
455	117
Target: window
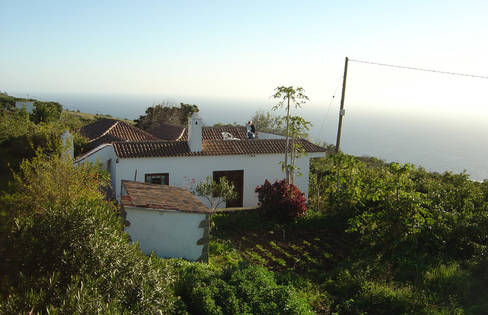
160	179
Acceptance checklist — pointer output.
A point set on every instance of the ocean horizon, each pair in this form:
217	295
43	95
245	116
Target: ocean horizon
436	142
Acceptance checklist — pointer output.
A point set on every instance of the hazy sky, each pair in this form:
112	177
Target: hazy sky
243	49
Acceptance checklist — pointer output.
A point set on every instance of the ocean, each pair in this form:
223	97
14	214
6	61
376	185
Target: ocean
438	142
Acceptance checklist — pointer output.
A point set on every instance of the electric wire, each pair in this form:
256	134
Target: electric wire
330	105
420	69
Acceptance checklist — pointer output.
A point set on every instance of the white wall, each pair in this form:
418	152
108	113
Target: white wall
103	154
167	233
29	106
68	147
183	170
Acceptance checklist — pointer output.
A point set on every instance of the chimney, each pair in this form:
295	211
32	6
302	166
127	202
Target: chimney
195	133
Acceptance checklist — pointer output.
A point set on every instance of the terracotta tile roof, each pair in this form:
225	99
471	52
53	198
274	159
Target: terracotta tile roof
162	197
175	132
215	133
97	128
167	131
128	132
111	130
209	148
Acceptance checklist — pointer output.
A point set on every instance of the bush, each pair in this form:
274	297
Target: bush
46	112
62	247
281	201
449	282
240	289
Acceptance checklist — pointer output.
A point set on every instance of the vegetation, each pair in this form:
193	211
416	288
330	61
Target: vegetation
287	95
216	192
166	114
298	128
236	289
63	250
20	138
266	122
378	238
7	102
281	201
46	112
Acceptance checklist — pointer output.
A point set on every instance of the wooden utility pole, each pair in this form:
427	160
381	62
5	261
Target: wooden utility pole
341	111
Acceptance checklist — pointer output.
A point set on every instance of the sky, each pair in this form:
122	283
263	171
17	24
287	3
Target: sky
242	50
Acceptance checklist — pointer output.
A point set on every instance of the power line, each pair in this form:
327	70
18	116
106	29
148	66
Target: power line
330	104
421	69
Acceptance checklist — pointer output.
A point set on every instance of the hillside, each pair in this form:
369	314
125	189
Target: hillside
378	238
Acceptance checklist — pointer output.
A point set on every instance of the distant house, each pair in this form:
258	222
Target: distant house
28	105
166	220
197	152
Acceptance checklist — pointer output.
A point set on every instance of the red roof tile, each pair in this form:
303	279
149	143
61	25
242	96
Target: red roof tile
167	131
111	130
209	148
175	132
215	133
161	197
97	128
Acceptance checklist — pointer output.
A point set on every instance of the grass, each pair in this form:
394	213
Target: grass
93	117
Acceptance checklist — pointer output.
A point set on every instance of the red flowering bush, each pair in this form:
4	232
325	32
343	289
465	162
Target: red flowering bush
281	201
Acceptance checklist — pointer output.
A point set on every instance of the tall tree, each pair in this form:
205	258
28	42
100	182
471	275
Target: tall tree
266	122
46	112
298	129
289	95
166	114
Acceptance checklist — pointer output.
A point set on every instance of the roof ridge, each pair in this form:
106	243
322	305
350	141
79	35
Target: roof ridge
106	131
181	134
123	123
139	129
148	141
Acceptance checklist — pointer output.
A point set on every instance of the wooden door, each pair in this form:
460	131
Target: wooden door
236	178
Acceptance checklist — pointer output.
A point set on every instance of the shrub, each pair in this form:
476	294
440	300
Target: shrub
46	111
240	289
281	201
449	282
63	248
216	193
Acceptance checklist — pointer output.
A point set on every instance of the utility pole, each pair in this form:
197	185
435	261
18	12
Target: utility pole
342	111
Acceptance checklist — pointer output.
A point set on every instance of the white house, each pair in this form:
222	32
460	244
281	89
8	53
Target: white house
28	105
166	220
190	159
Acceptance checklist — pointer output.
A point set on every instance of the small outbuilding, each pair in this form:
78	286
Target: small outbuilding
167	220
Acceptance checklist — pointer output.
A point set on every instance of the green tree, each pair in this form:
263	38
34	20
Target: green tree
216	192
46	112
6	102
266	122
64	252
298	128
288	95
166	114
20	138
